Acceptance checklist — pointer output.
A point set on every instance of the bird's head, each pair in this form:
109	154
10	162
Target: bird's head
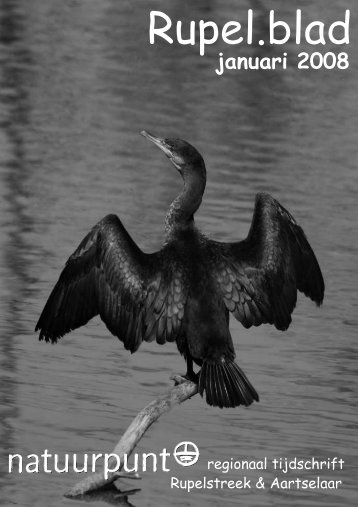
185	158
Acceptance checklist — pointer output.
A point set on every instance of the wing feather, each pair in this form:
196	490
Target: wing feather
258	278
138	296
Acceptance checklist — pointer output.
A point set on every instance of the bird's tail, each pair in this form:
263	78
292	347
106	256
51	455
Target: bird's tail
225	384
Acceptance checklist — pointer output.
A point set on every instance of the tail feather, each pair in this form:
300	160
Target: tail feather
238	386
233	396
221	391
225	384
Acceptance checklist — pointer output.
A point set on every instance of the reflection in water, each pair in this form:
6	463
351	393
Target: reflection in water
110	495
78	82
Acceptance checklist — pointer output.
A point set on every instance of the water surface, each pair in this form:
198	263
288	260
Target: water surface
78	82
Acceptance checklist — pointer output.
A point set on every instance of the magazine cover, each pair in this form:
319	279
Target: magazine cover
178	253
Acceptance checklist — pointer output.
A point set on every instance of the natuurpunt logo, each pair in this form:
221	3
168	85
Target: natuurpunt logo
185	454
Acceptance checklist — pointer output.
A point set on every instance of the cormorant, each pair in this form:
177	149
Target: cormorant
185	291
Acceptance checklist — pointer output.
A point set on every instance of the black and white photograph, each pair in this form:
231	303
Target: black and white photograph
178	253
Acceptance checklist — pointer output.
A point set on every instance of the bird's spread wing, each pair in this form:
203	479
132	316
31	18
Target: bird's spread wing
259	277
138	296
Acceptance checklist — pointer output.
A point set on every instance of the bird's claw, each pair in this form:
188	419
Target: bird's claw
180	379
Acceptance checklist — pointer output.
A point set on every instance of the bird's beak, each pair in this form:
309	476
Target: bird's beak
158	141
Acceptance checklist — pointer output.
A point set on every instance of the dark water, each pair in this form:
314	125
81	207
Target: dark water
78	81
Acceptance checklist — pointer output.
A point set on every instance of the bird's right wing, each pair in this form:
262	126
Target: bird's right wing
138	296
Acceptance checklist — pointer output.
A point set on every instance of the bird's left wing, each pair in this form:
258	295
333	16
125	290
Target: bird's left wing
258	277
138	296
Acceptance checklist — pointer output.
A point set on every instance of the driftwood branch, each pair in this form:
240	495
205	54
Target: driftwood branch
146	417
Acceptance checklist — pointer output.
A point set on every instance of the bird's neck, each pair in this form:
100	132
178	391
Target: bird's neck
181	212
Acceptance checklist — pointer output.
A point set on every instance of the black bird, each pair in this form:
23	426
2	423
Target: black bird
185	291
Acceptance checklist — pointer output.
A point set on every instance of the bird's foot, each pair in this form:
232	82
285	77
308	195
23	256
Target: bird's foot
192	376
180	379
